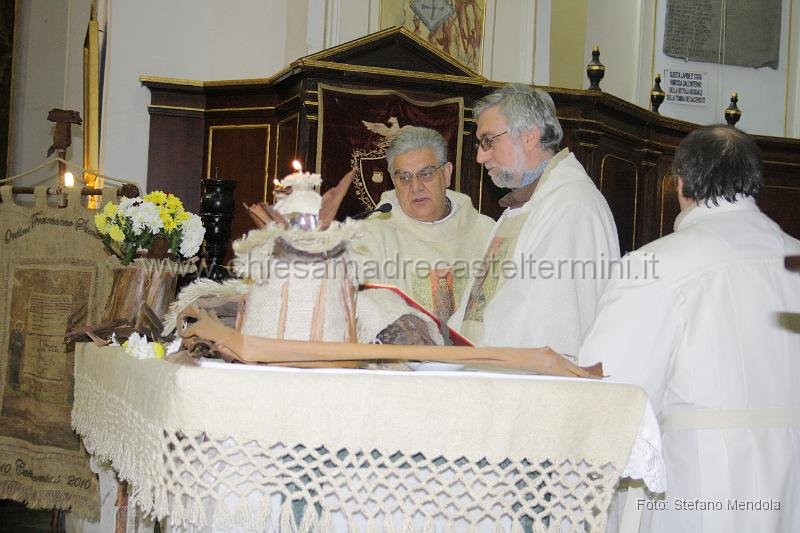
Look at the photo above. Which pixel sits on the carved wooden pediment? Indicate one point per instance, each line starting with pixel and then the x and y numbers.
pixel 391 49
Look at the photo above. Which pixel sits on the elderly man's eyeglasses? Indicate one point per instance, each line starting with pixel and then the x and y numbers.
pixel 486 142
pixel 425 174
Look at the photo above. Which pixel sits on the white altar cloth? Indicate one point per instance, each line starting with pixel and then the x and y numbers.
pixel 247 448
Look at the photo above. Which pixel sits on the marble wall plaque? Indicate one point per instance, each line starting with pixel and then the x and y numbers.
pixel 729 32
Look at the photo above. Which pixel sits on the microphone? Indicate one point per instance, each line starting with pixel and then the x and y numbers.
pixel 383 208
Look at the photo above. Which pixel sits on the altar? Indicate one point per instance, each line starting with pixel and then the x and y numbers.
pixel 256 448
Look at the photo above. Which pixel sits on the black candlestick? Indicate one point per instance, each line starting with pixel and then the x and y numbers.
pixel 217 213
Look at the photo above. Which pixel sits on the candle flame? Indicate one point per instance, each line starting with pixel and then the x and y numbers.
pixel 297 166
pixel 69 179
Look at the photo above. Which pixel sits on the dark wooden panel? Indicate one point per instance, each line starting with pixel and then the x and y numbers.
pixel 175 156
pixel 647 226
pixel 240 153
pixel 780 204
pixel 619 182
pixel 286 147
pixel 780 195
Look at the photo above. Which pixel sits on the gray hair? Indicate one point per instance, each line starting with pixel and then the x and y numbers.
pixel 525 107
pixel 416 138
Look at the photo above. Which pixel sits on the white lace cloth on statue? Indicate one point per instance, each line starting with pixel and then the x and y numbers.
pixel 274 449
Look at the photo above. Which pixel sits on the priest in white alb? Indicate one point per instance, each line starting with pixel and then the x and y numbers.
pixel 708 323
pixel 542 274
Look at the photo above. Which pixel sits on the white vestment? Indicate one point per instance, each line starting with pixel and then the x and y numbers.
pixel 544 261
pixel 428 261
pixel 714 339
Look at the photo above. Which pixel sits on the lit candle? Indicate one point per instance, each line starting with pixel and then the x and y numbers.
pixel 69 179
pixel 298 197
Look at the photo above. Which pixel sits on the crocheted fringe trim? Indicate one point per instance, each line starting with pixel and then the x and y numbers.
pixel 184 509
pixel 127 464
pixel 314 522
pixel 35 498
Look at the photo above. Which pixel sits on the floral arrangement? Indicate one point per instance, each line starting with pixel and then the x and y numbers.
pixel 139 347
pixel 157 220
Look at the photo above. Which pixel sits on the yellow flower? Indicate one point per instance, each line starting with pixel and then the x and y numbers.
pixel 156 197
pixel 158 349
pixel 173 203
pixel 110 209
pixel 116 234
pixel 183 216
pixel 167 220
pixel 100 222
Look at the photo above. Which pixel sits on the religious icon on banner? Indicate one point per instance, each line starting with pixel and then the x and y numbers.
pixel 432 13
pixel 441 281
pixel 453 26
pixel 37 397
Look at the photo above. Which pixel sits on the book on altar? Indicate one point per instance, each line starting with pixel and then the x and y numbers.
pixel 456 337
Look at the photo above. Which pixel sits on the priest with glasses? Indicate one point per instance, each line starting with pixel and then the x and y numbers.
pixel 426 243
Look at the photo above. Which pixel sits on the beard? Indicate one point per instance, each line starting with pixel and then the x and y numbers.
pixel 503 178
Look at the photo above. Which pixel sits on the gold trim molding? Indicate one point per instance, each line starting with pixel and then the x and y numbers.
pixel 176 108
pixel 199 83
pixel 204 110
pixel 234 109
pixel 452 78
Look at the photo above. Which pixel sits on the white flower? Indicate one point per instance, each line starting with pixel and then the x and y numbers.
pixel 174 346
pixel 144 216
pixel 193 234
pixel 138 346
pixel 126 204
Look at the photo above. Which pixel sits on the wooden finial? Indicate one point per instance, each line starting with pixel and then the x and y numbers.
pixel 732 112
pixel 62 136
pixel 595 70
pixel 656 95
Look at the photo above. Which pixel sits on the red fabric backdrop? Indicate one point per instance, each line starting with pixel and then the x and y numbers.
pixel 344 141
